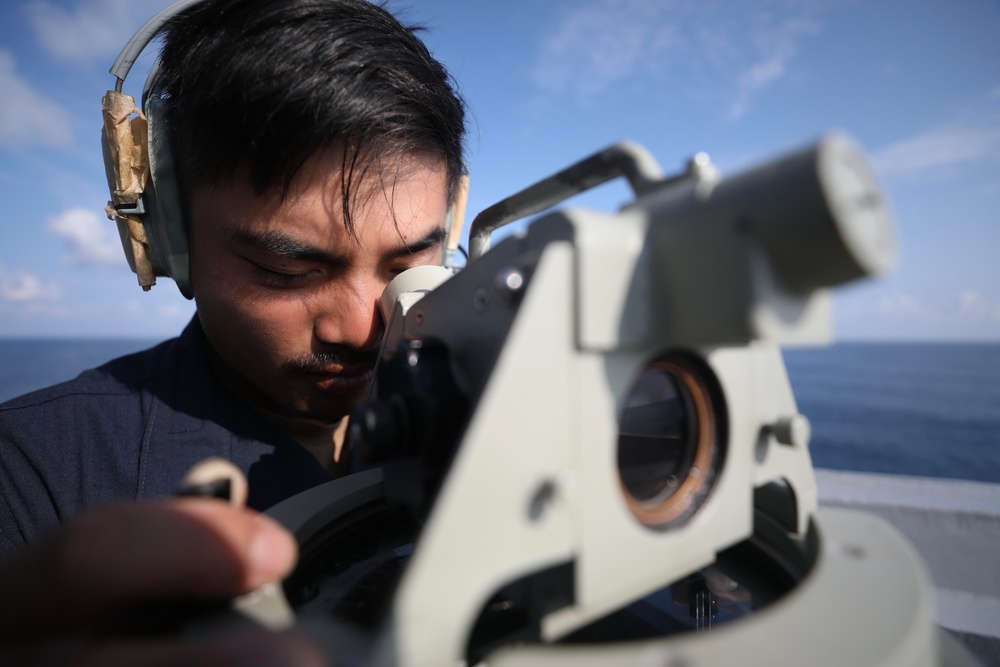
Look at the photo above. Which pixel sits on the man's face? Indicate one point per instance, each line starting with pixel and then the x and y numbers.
pixel 288 298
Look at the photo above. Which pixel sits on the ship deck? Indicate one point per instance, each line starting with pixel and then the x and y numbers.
pixel 955 526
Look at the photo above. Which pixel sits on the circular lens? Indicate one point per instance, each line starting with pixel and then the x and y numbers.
pixel 667 444
pixel 654 443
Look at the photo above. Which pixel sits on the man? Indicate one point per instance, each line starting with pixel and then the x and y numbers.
pixel 318 146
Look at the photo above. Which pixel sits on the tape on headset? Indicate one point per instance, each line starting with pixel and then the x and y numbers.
pixel 125 135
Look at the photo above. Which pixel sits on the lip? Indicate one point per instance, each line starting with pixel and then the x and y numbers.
pixel 348 380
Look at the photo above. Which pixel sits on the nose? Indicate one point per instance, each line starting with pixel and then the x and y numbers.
pixel 351 317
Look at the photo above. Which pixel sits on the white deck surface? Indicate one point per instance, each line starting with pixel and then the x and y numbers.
pixel 955 525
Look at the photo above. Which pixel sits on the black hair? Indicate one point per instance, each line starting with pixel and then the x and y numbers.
pixel 266 84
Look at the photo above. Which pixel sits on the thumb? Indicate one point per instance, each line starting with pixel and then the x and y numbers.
pixel 125 553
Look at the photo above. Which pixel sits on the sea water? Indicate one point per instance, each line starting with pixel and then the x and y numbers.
pixel 29 364
pixel 930 409
pixel 900 408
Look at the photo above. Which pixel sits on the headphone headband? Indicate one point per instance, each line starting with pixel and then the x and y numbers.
pixel 142 37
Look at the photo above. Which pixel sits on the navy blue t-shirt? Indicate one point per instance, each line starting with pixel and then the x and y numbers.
pixel 130 430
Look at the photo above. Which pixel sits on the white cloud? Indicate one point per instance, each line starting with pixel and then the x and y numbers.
pixel 975 305
pixel 941 147
pixel 25 288
pixel 599 43
pixel 776 47
pixel 971 314
pixel 91 238
pixel 900 304
pixel 967 306
pixel 92 30
pixel 735 49
pixel 26 116
pixel 971 301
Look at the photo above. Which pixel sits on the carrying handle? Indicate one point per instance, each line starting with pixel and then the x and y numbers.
pixel 626 159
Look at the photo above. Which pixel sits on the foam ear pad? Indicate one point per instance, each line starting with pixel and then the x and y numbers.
pixel 164 218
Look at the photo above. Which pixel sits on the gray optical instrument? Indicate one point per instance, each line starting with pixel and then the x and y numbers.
pixel 590 450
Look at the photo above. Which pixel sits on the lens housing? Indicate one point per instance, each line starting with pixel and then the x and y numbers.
pixel 669 448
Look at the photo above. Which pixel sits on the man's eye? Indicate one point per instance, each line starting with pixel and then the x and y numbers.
pixel 279 279
pixel 419 259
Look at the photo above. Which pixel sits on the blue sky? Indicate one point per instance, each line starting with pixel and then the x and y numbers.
pixel 916 83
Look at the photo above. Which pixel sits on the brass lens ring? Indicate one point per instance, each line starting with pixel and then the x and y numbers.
pixel 668 446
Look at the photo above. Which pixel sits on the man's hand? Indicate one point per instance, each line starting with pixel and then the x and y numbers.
pixel 55 595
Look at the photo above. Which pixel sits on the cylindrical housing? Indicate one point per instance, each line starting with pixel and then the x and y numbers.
pixel 819 214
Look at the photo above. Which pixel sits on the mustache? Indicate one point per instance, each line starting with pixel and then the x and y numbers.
pixel 339 355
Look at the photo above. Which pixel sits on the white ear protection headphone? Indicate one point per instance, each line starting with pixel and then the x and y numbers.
pixel 151 225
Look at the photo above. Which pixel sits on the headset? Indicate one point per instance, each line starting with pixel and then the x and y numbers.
pixel 145 199
pixel 142 176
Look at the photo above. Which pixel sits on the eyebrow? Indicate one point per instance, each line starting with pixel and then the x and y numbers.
pixel 281 245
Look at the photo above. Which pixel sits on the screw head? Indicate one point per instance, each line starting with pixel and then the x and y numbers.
pixel 481 299
pixel 794 430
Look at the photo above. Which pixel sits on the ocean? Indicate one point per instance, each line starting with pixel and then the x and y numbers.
pixel 928 409
pixel 27 364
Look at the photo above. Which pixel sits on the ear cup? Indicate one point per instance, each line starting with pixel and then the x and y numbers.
pixel 158 209
pixel 164 218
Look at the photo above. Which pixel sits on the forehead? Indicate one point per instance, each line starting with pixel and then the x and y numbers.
pixel 334 202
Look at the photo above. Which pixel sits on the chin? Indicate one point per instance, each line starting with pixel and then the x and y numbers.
pixel 326 409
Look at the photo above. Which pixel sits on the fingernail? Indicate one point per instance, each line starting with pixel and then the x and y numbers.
pixel 272 552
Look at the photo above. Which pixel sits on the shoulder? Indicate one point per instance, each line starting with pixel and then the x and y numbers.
pixel 79 443
pixel 123 377
pixel 103 411
pixel 96 417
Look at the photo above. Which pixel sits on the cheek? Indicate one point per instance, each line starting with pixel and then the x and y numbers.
pixel 232 310
pixel 268 326
pixel 282 326
pixel 251 330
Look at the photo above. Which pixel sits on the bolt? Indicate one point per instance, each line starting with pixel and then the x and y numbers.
pixel 542 497
pixel 794 430
pixel 853 551
pixel 480 299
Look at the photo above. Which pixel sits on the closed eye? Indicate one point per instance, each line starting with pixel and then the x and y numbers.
pixel 281 279
pixel 421 258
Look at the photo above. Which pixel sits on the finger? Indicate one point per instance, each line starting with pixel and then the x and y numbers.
pixel 124 553
pixel 263 648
